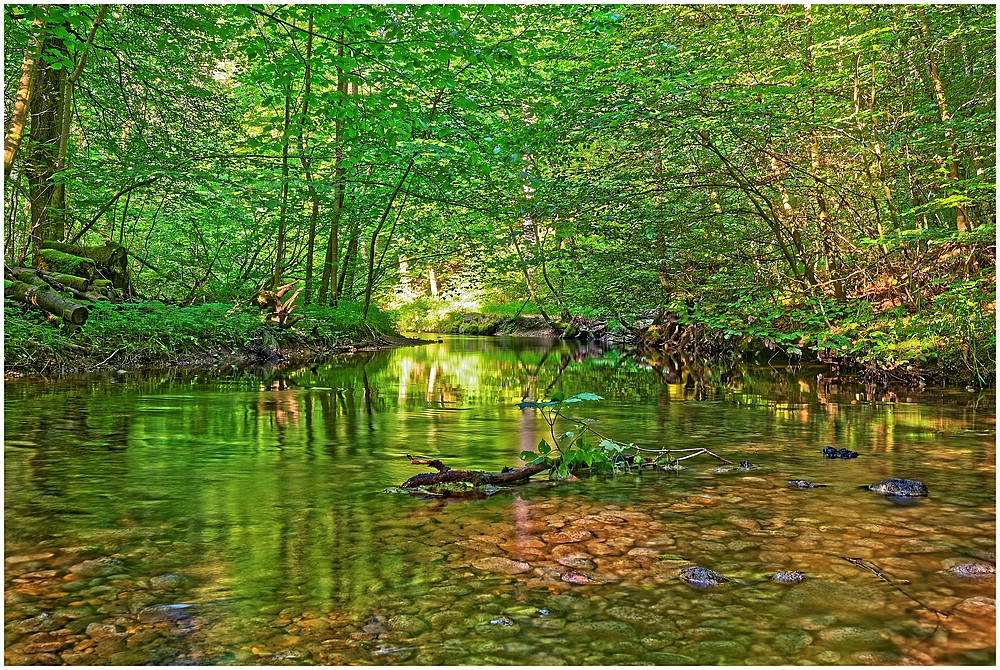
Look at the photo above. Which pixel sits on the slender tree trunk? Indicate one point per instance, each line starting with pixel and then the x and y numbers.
pixel 372 245
pixel 19 113
pixel 279 255
pixel 832 263
pixel 329 280
pixel 961 219
pixel 306 166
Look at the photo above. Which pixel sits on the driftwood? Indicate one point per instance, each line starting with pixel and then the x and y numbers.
pixel 446 475
pixel 281 310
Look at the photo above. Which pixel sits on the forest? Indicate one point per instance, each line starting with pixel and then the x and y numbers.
pixel 816 181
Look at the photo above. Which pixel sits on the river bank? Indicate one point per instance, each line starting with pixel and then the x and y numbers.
pixel 910 353
pixel 152 334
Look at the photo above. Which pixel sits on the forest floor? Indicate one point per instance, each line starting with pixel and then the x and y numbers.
pixel 152 334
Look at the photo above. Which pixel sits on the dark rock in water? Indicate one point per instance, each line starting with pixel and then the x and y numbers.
pixel 972 570
pixel 790 577
pixel 803 484
pixel 167 613
pixel 700 577
pixel 745 465
pixel 899 487
pixel 830 452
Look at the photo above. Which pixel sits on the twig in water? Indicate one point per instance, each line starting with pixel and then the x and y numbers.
pixel 108 358
pixel 864 566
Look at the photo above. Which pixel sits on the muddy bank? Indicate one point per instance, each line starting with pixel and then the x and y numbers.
pixel 267 353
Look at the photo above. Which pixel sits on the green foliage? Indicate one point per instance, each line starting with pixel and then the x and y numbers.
pixel 152 332
pixel 785 175
pixel 583 447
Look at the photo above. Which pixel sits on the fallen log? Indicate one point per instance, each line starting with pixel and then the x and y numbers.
pixel 56 282
pixel 48 300
pixel 446 475
pixel 110 258
pixel 70 281
pixel 55 261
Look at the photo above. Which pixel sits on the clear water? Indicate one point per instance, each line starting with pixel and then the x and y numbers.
pixel 240 518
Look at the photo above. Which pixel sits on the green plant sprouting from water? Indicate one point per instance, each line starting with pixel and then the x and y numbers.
pixel 586 447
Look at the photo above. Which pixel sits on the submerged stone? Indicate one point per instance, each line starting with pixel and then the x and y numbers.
pixel 899 487
pixel 166 582
pixel 500 565
pixel 574 577
pixel 972 570
pixel 97 567
pixel 700 577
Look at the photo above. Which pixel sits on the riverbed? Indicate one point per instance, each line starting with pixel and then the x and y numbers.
pixel 233 517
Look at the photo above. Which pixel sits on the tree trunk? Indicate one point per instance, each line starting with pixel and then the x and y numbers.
pixel 350 263
pixel 279 255
pixel 329 281
pixel 306 168
pixel 19 114
pixel 961 219
pixel 46 107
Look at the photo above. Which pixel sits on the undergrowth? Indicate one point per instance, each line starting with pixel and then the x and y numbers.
pixel 150 332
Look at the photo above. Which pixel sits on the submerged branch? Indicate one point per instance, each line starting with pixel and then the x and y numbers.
pixel 446 475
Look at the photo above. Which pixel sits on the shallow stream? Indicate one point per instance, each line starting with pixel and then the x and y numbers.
pixel 241 518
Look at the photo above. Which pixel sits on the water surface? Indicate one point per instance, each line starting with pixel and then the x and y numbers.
pixel 241 518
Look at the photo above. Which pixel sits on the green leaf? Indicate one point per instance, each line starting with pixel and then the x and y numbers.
pixel 528 455
pixel 543 447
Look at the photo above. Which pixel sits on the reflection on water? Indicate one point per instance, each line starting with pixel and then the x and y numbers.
pixel 240 518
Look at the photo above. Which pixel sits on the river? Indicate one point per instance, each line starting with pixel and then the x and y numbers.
pixel 248 517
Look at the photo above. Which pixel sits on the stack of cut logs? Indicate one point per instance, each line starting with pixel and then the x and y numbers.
pixel 67 273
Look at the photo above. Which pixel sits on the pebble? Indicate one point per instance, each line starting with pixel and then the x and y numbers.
pixel 567 535
pixel 166 582
pixel 972 570
pixel 979 605
pixel 102 630
pixel 500 565
pixel 96 567
pixel 574 577
pixel 408 623
pixel 756 482
pixel 25 558
pixel 42 622
pixel 792 642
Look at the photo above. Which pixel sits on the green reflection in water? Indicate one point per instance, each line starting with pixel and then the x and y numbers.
pixel 264 492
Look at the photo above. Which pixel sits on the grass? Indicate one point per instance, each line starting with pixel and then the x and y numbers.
pixel 144 332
